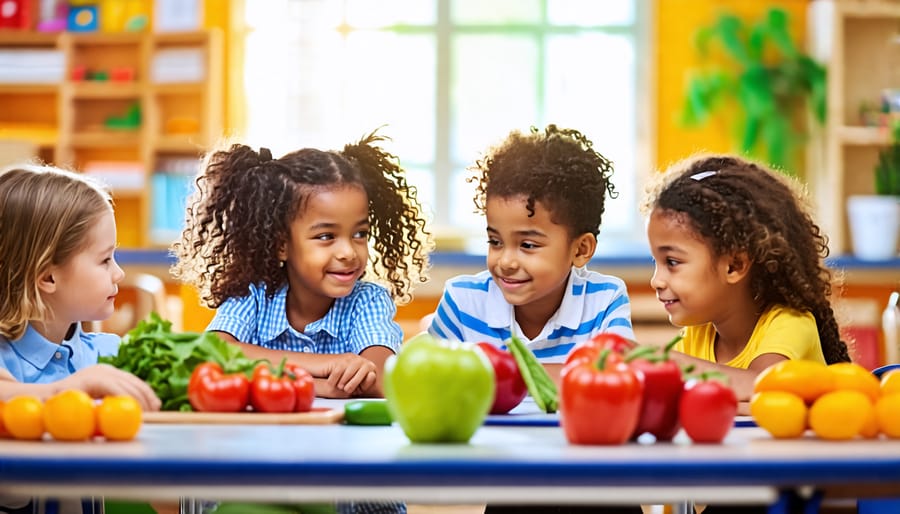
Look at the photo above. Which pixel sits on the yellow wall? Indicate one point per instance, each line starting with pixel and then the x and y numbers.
pixel 677 21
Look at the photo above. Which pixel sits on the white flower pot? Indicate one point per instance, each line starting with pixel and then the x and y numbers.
pixel 874 226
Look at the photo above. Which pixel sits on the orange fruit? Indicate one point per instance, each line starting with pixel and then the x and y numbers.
pixel 890 382
pixel 840 415
pixel 849 375
pixel 23 417
pixel 806 379
pixel 3 431
pixel 887 410
pixel 870 429
pixel 780 413
pixel 69 416
pixel 119 418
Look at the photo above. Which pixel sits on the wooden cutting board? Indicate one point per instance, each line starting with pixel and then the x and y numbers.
pixel 317 416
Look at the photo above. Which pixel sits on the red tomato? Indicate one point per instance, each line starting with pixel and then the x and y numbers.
pixel 707 409
pixel 289 388
pixel 304 387
pixel 209 390
pixel 270 393
pixel 510 389
pixel 663 386
pixel 600 401
pixel 590 349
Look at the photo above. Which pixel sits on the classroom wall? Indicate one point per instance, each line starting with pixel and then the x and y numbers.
pixel 673 30
pixel 676 22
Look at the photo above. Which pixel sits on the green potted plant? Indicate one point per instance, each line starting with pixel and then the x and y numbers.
pixel 875 219
pixel 764 80
pixel 887 171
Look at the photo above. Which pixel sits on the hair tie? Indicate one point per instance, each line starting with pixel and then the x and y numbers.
pixel 265 154
pixel 702 175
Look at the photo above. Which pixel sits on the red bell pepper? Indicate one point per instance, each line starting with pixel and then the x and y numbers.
pixel 211 390
pixel 587 351
pixel 663 384
pixel 600 400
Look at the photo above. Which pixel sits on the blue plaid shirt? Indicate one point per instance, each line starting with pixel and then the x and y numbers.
pixel 355 322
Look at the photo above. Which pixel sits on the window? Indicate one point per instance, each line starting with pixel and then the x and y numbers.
pixel 448 79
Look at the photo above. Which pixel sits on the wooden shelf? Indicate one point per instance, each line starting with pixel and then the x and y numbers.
pixel 105 90
pixel 180 144
pixel 871 9
pixel 855 41
pixel 67 120
pixel 26 38
pixel 105 139
pixel 7 88
pixel 178 88
pixel 863 136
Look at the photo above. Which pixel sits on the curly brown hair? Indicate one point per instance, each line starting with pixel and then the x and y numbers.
pixel 244 203
pixel 557 167
pixel 742 207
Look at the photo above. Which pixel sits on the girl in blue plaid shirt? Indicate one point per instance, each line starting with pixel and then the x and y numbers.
pixel 279 246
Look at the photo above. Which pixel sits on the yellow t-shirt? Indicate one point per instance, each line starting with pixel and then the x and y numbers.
pixel 780 330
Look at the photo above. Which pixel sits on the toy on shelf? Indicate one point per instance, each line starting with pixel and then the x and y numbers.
pixel 83 18
pixel 122 74
pixel 124 15
pixel 16 14
pixel 131 120
pixel 53 15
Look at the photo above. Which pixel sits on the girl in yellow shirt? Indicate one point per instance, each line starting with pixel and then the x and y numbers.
pixel 740 265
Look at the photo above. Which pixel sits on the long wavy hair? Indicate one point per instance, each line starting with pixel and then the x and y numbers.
pixel 241 211
pixel 740 206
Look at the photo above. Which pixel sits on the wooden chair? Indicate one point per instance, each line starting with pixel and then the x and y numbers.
pixel 141 294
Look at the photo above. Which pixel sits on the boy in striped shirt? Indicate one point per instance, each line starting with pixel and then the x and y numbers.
pixel 542 194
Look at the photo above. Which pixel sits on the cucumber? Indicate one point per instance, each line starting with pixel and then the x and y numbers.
pixel 367 412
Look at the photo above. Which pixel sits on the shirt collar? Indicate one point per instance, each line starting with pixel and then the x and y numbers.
pixel 37 350
pixel 276 310
pixel 567 315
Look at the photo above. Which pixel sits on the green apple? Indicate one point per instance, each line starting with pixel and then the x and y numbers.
pixel 438 391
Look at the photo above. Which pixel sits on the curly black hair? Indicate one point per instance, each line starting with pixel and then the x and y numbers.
pixel 743 207
pixel 557 167
pixel 244 203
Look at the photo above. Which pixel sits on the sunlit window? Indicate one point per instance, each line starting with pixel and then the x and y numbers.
pixel 446 79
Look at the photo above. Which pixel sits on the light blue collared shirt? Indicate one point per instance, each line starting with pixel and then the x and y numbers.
pixel 33 359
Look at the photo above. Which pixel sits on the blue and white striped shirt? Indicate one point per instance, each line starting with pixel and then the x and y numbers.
pixel 355 322
pixel 473 309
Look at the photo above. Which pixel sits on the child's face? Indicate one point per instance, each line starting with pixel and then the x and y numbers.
pixel 688 279
pixel 328 247
pixel 528 257
pixel 86 285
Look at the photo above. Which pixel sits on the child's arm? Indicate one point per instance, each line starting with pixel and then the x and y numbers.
pixel 339 375
pixel 740 380
pixel 97 381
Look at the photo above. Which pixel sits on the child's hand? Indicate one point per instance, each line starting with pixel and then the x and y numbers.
pixel 346 375
pixel 102 380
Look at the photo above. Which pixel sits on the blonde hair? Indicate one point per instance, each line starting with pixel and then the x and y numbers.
pixel 45 215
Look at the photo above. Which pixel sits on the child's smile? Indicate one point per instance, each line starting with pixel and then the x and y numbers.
pixel 529 256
